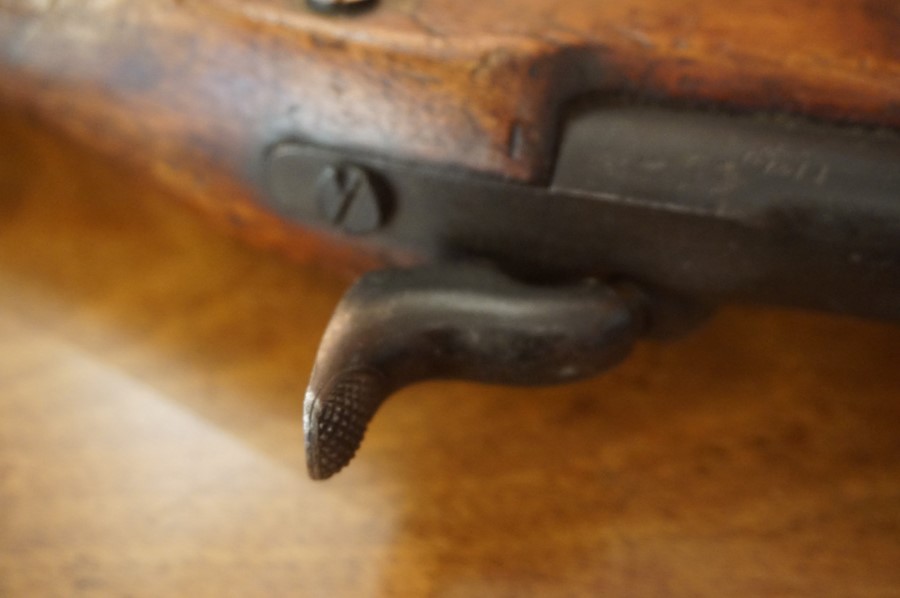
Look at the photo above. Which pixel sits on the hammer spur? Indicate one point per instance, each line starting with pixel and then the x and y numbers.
pixel 470 322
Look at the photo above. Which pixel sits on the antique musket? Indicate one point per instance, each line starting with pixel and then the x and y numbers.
pixel 533 184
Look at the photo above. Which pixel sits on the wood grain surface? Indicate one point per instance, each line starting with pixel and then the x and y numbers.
pixel 194 92
pixel 151 374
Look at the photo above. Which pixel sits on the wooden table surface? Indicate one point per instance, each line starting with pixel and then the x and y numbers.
pixel 151 375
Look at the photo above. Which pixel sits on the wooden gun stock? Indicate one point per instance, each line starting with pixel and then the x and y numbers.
pixel 194 92
pixel 700 152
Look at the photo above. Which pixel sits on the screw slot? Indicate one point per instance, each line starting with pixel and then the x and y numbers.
pixel 341 6
pixel 347 198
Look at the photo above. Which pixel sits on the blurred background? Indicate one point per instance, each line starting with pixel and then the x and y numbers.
pixel 151 379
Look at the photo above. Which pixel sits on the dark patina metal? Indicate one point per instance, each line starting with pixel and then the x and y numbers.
pixel 397 327
pixel 346 195
pixel 716 208
pixel 340 6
